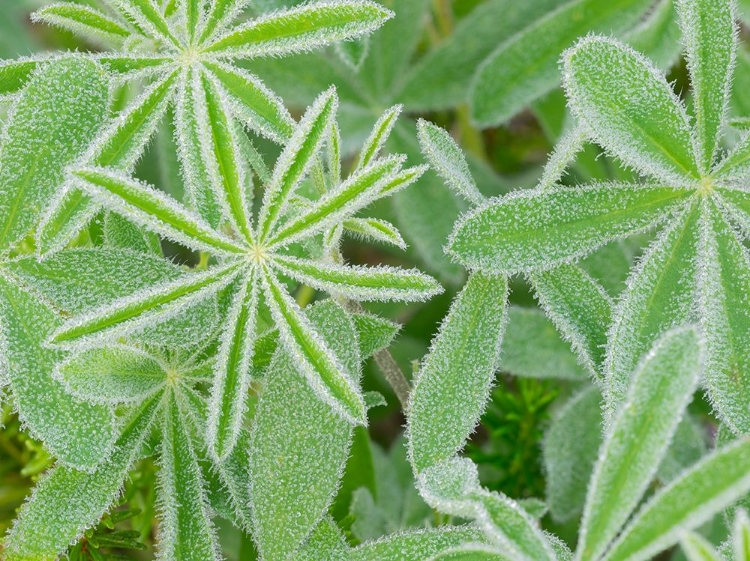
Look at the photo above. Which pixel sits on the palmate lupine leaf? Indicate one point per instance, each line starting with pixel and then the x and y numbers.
pixel 638 437
pixel 381 130
pixel 40 532
pixel 78 434
pixel 660 297
pixel 456 376
pixel 453 487
pixel 417 544
pixel 185 530
pixel 705 22
pixel 532 229
pixel 296 461
pixel 649 129
pixel 525 67
pixel 60 109
pixel 120 233
pixel 724 286
pixel 695 497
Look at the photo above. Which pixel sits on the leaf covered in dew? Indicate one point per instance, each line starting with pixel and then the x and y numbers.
pixel 186 530
pixel 296 461
pixel 51 123
pixel 359 282
pixel 455 378
pixel 697 548
pixel 446 158
pixel 84 20
pixel 416 544
pixel 452 487
pixel 705 22
pixel 302 29
pixel 471 552
pixel 638 437
pixel 532 230
pixel 648 128
pixel 660 297
pixel 692 499
pixel 79 434
pixel 375 230
pixel 116 374
pixel 580 309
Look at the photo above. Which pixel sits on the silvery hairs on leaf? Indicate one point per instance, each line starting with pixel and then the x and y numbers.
pixel 199 47
pixel 251 257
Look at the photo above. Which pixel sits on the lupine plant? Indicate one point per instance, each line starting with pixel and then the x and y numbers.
pixel 214 346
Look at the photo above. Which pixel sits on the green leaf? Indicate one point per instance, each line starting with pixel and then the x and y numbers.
pixel 658 36
pixel 326 541
pixel 581 310
pixel 569 449
pixel 709 35
pixel 378 137
pixel 375 230
pixel 724 285
pixel 416 545
pixel 634 113
pixel 692 499
pixel 360 282
pixel 638 437
pixel 525 66
pixel 471 552
pixel 660 297
pixel 186 531
pixel 696 548
pixel 14 74
pixel 60 109
pixel 81 279
pixel 532 348
pixel 120 233
pixel 152 209
pixel 375 181
pixel 452 487
pixel 220 14
pixel 39 532
pixel 117 374
pixel 222 153
pixel 234 473
pixel 83 20
pixel 535 229
pixel 190 135
pixel 374 333
pixel 448 160
pixel 149 19
pixel 260 108
pixel 135 312
pixel 301 29
pixel 310 446
pixel 456 376
pixel 331 381
pixel 80 435
pixel 741 536
pixel 232 374
pixel 296 159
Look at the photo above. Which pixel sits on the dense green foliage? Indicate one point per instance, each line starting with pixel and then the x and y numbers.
pixel 288 280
